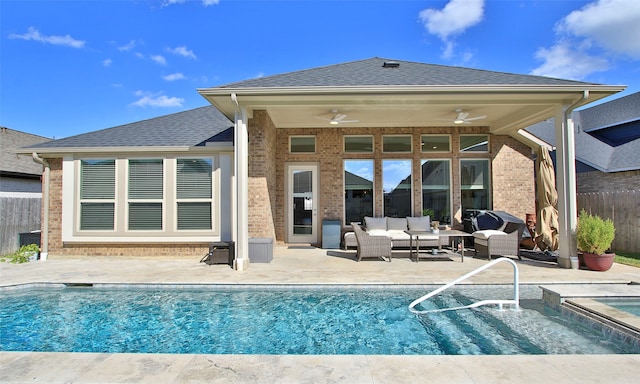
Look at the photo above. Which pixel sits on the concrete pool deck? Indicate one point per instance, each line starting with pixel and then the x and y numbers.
pixel 307 265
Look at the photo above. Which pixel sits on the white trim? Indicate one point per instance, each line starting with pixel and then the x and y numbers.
pixel 410 136
pixel 314 167
pixel 315 144
pixel 344 144
pixel 460 136
pixel 435 134
pixel 450 161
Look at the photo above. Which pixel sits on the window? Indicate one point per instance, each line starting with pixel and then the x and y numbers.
pixel 146 193
pixel 396 143
pixel 302 144
pixel 194 193
pixel 396 179
pixel 474 143
pixel 474 184
pixel 358 190
pixel 97 194
pixel 436 190
pixel 358 144
pixel 436 143
pixel 141 198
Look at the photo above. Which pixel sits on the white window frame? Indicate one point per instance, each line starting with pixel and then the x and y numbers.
pixel 344 143
pixel 476 134
pixel 162 201
pixel 210 200
pixel 315 144
pixel 71 232
pixel 489 181
pixel 422 207
pixel 422 149
pixel 399 135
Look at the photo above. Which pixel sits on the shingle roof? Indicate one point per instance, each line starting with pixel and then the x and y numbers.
pixel 614 112
pixel 371 72
pixel 188 128
pixel 11 140
pixel 589 149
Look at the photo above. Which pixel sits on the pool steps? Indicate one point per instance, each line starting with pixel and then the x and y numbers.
pixel 516 296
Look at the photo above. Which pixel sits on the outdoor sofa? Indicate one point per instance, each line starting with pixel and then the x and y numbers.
pixel 394 227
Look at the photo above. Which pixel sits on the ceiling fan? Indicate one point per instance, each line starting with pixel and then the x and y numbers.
pixel 463 118
pixel 336 118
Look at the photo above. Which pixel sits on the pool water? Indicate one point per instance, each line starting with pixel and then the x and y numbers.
pixel 305 321
pixel 631 306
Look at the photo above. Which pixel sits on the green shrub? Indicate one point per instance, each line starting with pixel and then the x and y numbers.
pixel 594 235
pixel 22 255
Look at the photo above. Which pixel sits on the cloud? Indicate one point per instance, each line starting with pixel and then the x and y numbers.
pixel 610 24
pixel 149 99
pixel 455 18
pixel 35 35
pixel 107 62
pixel 589 39
pixel 182 51
pixel 174 77
pixel 206 3
pixel 127 47
pixel 159 59
pixel 566 62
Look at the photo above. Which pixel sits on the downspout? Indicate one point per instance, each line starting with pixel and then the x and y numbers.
pixel 44 251
pixel 568 219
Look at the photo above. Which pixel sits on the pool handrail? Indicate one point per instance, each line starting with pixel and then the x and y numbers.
pixel 516 295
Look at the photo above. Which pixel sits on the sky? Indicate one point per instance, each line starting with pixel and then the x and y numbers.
pixel 70 67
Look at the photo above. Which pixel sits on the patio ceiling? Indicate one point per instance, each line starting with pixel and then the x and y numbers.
pixel 507 108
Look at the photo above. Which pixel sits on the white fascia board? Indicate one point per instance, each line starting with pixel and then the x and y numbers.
pixel 137 149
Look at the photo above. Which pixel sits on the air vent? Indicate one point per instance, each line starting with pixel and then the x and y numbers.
pixel 390 64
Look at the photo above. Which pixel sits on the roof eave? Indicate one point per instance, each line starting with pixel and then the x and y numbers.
pixel 137 149
pixel 220 97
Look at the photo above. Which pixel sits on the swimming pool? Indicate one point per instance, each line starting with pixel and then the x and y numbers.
pixel 631 306
pixel 285 320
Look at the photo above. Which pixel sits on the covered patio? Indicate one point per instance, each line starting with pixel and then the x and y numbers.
pixel 379 97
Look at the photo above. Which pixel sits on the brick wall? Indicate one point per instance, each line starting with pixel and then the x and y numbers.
pixel 512 170
pixel 512 176
pixel 262 175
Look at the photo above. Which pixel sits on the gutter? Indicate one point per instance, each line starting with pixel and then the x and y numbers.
pixel 44 249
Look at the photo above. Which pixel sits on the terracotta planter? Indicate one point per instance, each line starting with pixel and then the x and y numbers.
pixel 598 262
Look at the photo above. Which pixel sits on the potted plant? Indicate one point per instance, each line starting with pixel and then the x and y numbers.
pixel 594 236
pixel 24 254
pixel 435 226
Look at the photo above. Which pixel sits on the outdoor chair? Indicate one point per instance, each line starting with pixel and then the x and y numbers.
pixel 491 242
pixel 371 246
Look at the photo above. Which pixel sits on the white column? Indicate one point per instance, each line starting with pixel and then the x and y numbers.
pixel 566 183
pixel 241 201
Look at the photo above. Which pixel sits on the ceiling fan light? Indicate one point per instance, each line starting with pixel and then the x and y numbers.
pixel 458 121
pixel 334 122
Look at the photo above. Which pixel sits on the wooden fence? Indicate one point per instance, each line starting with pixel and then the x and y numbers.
pixel 17 215
pixel 623 207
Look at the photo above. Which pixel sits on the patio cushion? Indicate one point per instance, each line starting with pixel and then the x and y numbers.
pixel 372 223
pixel 395 223
pixel 378 232
pixel 487 233
pixel 422 223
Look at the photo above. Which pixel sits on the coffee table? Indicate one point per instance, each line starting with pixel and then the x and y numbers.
pixel 451 233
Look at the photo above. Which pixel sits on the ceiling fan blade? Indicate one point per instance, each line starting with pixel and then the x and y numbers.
pixel 339 117
pixel 462 116
pixel 476 118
